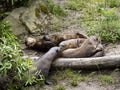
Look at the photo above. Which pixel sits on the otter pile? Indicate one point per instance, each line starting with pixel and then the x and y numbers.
pixel 74 45
pixel 63 45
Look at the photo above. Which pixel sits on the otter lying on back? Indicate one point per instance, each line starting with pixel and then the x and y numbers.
pixel 56 39
pixel 38 44
pixel 86 50
pixel 72 43
pixel 46 42
pixel 77 48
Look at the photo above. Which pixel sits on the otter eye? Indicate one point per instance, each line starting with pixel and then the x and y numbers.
pixel 57 50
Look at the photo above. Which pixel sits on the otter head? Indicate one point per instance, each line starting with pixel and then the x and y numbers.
pixel 95 41
pixel 30 42
pixel 56 49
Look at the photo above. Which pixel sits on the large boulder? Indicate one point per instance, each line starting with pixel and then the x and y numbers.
pixel 16 26
pixel 32 19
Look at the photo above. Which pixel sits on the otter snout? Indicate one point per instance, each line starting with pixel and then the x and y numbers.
pixel 30 41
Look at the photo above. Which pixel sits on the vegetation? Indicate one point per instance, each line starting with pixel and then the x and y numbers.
pixel 60 87
pixel 99 17
pixel 56 10
pixel 75 4
pixel 72 76
pixel 106 79
pixel 11 63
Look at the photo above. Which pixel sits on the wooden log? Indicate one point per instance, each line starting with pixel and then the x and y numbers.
pixel 86 63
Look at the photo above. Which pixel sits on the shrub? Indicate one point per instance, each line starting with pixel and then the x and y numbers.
pixel 11 63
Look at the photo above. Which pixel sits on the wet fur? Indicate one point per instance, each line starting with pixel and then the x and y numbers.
pixel 43 65
pixel 82 47
pixel 72 43
pixel 47 41
pixel 38 44
pixel 56 39
pixel 85 50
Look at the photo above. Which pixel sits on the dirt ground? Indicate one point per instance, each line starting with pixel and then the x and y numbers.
pixel 93 84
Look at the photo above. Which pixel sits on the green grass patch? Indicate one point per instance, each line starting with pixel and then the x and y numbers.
pixel 56 10
pixel 106 79
pixel 101 19
pixel 113 3
pixel 60 87
pixel 74 4
pixel 72 76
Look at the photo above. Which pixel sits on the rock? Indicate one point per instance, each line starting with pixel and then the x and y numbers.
pixel 16 26
pixel 32 19
pixel 34 16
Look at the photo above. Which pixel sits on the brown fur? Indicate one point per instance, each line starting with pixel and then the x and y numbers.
pixel 56 39
pixel 100 53
pixel 95 40
pixel 45 43
pixel 38 44
pixel 90 47
pixel 43 65
pixel 72 43
pixel 86 50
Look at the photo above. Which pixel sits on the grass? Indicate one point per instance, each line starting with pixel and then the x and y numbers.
pixel 99 17
pixel 56 10
pixel 113 3
pixel 60 87
pixel 106 79
pixel 75 4
pixel 72 76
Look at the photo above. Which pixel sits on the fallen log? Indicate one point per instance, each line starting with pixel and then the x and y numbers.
pixel 86 63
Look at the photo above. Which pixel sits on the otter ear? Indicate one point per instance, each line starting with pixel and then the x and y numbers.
pixel 80 35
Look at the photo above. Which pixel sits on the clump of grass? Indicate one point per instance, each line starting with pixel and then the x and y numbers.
pixel 74 82
pixel 73 77
pixel 113 3
pixel 100 19
pixel 106 79
pixel 108 27
pixel 75 4
pixel 56 10
pixel 60 87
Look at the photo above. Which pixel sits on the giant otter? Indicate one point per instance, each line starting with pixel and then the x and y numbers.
pixel 43 65
pixel 72 43
pixel 38 44
pixel 99 53
pixel 93 41
pixel 47 41
pixel 57 38
pixel 96 41
pixel 85 50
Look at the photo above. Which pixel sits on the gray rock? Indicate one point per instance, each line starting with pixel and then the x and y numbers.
pixel 31 19
pixel 16 26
